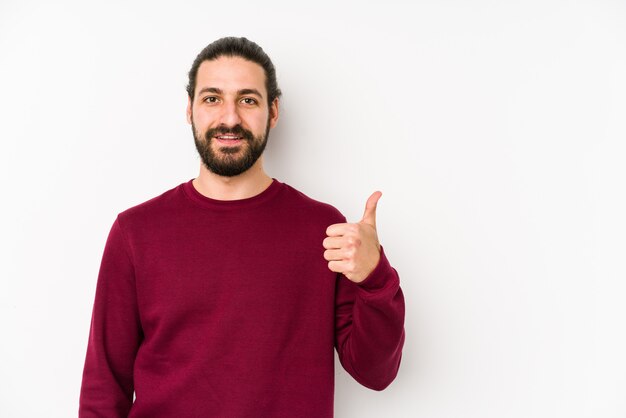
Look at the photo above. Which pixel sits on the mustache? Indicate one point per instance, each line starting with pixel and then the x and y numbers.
pixel 223 130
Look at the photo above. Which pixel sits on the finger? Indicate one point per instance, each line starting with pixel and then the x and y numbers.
pixel 333 255
pixel 369 216
pixel 338 266
pixel 331 243
pixel 337 230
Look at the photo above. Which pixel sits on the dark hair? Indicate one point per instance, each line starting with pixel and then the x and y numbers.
pixel 239 47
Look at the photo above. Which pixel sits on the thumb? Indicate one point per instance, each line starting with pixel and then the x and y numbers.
pixel 369 216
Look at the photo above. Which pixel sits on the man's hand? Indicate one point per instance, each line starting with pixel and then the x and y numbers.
pixel 353 249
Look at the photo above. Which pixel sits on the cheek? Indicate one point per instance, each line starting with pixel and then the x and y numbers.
pixel 258 123
pixel 199 118
pixel 203 113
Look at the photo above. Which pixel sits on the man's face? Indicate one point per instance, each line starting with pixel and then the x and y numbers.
pixel 229 115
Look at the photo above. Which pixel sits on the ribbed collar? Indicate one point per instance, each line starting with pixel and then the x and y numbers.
pixel 209 203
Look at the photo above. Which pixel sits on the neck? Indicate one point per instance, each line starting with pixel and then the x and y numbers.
pixel 247 184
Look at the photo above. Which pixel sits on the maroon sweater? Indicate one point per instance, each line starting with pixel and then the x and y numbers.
pixel 212 308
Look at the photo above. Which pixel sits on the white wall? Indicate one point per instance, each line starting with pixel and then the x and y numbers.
pixel 494 129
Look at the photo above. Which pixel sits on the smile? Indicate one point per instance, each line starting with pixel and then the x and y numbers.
pixel 228 139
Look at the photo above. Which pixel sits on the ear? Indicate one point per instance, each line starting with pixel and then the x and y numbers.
pixel 188 110
pixel 274 113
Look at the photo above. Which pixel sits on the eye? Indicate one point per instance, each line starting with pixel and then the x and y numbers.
pixel 210 99
pixel 249 100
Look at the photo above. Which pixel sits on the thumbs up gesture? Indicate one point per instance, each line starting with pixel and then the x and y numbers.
pixel 353 248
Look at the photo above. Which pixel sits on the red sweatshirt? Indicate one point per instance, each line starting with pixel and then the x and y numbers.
pixel 212 308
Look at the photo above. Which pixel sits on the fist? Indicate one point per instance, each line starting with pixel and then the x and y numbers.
pixel 353 248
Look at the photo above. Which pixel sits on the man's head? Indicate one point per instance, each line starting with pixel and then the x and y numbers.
pixel 236 47
pixel 233 103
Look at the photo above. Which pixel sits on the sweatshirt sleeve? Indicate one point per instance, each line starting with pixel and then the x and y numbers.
pixel 114 336
pixel 369 325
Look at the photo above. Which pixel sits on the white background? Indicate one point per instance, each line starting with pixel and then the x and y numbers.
pixel 494 129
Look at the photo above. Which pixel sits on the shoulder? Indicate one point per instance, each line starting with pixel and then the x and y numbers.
pixel 154 209
pixel 313 207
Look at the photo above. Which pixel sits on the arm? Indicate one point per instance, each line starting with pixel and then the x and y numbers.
pixel 114 336
pixel 369 325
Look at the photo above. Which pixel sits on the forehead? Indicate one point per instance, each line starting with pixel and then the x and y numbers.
pixel 231 74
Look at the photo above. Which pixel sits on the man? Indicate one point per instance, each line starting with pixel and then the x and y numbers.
pixel 217 298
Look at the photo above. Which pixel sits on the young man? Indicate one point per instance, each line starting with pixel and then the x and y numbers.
pixel 226 295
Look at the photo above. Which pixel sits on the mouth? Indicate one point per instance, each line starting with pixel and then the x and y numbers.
pixel 228 139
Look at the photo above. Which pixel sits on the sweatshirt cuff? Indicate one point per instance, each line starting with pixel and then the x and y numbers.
pixel 383 275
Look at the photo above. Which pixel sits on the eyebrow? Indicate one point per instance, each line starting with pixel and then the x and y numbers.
pixel 239 92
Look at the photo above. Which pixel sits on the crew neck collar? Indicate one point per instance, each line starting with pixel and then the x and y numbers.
pixel 211 203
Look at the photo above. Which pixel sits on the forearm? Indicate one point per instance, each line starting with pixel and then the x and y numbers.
pixel 370 326
pixel 114 336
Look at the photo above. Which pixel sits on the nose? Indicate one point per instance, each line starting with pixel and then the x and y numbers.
pixel 230 114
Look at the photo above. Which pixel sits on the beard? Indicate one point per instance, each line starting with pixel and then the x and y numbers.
pixel 230 161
